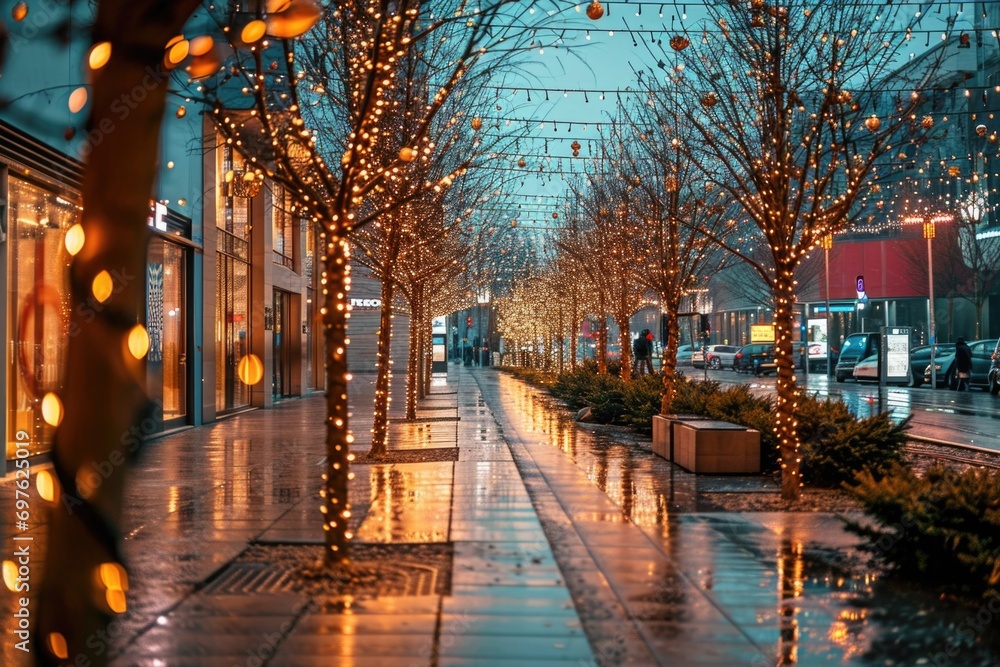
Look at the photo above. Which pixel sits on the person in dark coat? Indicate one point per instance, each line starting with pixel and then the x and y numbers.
pixel 963 364
pixel 642 352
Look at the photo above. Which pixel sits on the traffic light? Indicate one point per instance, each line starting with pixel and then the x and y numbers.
pixel 468 321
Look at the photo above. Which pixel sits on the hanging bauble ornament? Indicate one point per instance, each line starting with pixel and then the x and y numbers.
pixel 981 130
pixel 595 10
pixel 873 123
pixel 20 11
pixel 522 163
pixel 927 122
pixel 476 123
pixel 555 216
pixel 181 111
pixel 992 138
pixel 679 42
pixel 709 100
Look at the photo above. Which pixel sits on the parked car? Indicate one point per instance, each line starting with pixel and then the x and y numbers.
pixel 994 374
pixel 866 370
pixel 856 347
pixel 749 357
pixel 758 358
pixel 817 355
pixel 920 357
pixel 684 353
pixel 982 361
pixel 718 356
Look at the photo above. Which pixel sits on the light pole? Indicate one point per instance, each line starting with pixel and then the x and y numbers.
pixel 929 233
pixel 826 243
pixel 929 222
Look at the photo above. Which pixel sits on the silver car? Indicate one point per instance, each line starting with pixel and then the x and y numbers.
pixel 718 356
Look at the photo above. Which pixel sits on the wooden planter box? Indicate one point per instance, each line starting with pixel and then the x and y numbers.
pixel 665 433
pixel 716 447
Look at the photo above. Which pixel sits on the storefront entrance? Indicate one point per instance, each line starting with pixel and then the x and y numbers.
pixel 281 340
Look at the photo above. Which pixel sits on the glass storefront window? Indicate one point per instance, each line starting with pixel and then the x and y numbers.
pixel 38 308
pixel 283 227
pixel 232 303
pixel 166 321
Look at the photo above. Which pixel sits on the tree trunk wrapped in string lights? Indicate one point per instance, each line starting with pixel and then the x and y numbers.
pixel 103 402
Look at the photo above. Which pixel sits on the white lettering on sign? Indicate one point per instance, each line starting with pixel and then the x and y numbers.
pixel 366 303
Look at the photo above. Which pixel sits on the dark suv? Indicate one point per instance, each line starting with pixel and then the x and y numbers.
pixel 750 357
pixel 856 347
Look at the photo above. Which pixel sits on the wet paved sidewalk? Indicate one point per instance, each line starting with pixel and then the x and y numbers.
pixel 529 498
pixel 199 498
pixel 658 582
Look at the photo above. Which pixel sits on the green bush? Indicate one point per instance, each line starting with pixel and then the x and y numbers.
pixel 943 528
pixel 580 387
pixel 532 375
pixel 642 398
pixel 836 444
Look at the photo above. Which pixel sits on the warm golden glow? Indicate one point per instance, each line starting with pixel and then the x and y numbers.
pixel 20 11
pixel 406 154
pixel 294 18
pixel 177 51
pixel 46 485
pixel 253 31
pixel 10 575
pixel 100 54
pixel 57 645
pixel 102 287
pixel 78 100
pixel 52 409
pixel 116 600
pixel 74 239
pixel 114 576
pixel 181 111
pixel 138 341
pixel 250 369
pixel 201 45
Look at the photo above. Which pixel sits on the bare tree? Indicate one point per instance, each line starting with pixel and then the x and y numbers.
pixel 332 94
pixel 767 90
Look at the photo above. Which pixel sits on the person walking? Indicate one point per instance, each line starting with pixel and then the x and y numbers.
pixel 642 353
pixel 963 364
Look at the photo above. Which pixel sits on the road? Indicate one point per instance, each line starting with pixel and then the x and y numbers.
pixel 966 419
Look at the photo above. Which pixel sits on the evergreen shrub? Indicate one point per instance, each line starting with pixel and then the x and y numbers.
pixel 836 445
pixel 942 528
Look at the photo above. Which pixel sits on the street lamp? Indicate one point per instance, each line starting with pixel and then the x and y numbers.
pixel 929 223
pixel 826 243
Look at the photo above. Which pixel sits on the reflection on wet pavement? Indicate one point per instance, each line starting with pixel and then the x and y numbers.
pixel 653 579
pixel 714 588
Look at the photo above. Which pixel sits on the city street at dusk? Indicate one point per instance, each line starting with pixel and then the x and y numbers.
pixel 494 333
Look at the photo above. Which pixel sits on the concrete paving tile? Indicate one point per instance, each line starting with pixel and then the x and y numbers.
pixel 519 662
pixel 366 624
pixel 410 605
pixel 485 534
pixel 359 645
pixel 298 660
pixel 532 648
pixel 510 626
